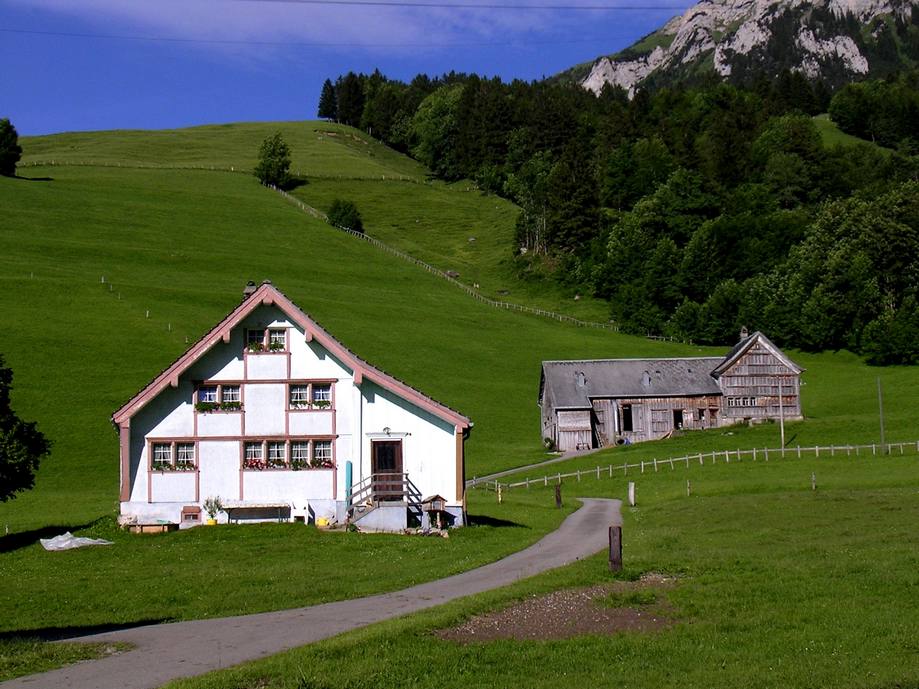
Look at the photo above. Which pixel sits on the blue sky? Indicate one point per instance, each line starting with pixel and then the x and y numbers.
pixel 82 64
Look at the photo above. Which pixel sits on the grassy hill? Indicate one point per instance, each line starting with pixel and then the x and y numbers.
pixel 400 204
pixel 175 247
pixel 834 136
pixel 179 245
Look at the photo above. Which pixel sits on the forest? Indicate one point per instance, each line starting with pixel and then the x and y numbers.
pixel 692 210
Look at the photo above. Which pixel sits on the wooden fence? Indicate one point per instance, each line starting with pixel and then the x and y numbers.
pixel 701 458
pixel 472 292
pixel 551 315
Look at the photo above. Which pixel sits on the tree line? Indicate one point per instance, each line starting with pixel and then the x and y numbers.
pixel 692 210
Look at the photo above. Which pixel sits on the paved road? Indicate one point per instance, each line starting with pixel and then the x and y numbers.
pixel 182 649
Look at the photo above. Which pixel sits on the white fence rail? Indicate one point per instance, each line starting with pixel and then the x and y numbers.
pixel 703 458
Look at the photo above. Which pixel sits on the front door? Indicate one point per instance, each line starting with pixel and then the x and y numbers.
pixel 387 470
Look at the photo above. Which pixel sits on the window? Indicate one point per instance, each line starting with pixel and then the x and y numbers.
pixel 185 454
pixel 299 396
pixel 255 340
pixel 172 456
pixel 277 454
pixel 277 340
pixel 218 398
pixel 322 453
pixel 162 452
pixel 299 454
pixel 322 395
pixel 253 457
pixel 627 418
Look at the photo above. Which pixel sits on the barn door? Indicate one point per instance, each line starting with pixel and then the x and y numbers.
pixel 604 428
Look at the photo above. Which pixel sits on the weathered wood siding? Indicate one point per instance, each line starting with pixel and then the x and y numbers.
pixel 654 417
pixel 574 430
pixel 751 387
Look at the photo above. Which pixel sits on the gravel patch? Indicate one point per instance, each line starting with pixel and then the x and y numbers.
pixel 571 612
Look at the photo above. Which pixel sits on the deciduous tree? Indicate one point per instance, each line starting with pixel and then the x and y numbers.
pixel 22 445
pixel 273 167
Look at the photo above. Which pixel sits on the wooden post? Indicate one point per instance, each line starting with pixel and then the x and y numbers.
pixel 799 452
pixel 881 409
pixel 499 493
pixel 558 496
pixel 528 483
pixel 642 466
pixel 655 465
pixel 615 548
pixel 766 452
pixel 688 489
pixel 579 475
pixel 782 414
pixel 754 454
pixel 813 480
pixel 632 493
pixel 598 472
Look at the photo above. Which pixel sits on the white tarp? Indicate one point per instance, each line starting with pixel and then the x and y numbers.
pixel 68 541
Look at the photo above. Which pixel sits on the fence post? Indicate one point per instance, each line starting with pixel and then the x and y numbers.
pixel 655 465
pixel 816 451
pixel 579 475
pixel 688 488
pixel 799 452
pixel 754 454
pixel 598 472
pixel 766 452
pixel 632 493
pixel 558 496
pixel 813 480
pixel 642 466
pixel 615 548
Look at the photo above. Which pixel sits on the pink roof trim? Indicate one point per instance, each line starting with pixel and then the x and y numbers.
pixel 268 294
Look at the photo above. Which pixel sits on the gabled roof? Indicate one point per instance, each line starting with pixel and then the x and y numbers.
pixel 744 346
pixel 269 295
pixel 575 383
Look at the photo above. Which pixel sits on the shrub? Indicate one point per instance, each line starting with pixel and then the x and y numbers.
pixel 345 214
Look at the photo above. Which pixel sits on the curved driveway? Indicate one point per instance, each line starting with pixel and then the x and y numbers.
pixel 182 649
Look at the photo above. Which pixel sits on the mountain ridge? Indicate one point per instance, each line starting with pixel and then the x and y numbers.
pixel 835 41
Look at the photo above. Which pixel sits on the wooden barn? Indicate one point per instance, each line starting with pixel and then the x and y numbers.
pixel 595 403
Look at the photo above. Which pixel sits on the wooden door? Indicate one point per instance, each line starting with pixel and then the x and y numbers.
pixel 387 470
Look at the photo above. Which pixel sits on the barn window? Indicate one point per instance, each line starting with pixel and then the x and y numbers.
pixel 322 393
pixel 208 393
pixel 299 396
pixel 626 417
pixel 277 340
pixel 185 455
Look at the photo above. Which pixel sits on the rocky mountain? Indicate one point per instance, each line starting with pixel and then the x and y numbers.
pixel 833 40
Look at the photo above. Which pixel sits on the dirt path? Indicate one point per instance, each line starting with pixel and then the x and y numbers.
pixel 184 649
pixel 527 467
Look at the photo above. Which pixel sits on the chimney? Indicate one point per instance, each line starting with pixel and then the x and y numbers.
pixel 744 333
pixel 249 289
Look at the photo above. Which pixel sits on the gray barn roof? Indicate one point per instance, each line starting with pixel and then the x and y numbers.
pixel 573 383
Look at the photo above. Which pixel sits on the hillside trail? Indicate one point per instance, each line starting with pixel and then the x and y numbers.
pixel 184 649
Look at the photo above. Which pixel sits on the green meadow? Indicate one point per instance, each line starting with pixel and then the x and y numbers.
pixel 108 273
pixel 776 586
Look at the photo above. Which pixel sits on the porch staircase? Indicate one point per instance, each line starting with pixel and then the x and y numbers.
pixel 385 502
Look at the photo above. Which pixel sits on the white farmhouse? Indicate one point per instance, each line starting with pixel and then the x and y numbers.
pixel 276 417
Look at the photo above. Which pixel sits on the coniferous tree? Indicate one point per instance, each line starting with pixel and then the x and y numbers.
pixel 350 93
pixel 10 150
pixel 328 103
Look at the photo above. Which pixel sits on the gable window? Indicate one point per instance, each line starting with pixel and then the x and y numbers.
pixel 218 398
pixel 255 340
pixel 277 340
